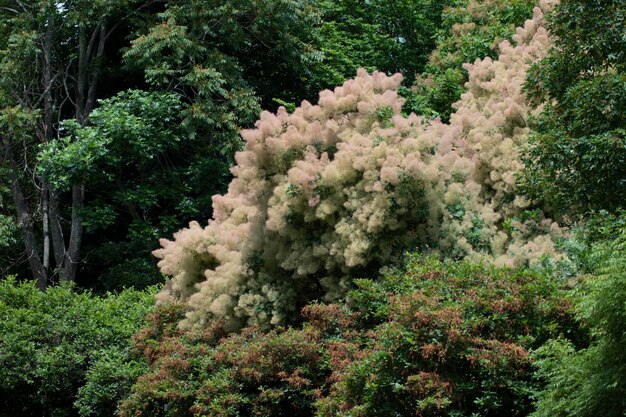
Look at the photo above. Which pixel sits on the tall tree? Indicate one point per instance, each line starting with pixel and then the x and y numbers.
pixel 385 35
pixel 153 159
pixel 225 57
pixel 146 173
pixel 53 56
pixel 577 161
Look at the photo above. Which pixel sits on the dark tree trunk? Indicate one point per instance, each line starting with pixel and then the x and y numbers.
pixel 47 136
pixel 58 241
pixel 25 221
pixel 70 260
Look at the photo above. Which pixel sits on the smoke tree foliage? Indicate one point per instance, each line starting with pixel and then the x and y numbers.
pixel 334 190
pixel 469 29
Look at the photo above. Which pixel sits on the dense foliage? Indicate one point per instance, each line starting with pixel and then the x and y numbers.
pixel 52 342
pixel 122 120
pixel 386 35
pixel 437 339
pixel 591 381
pixel 146 172
pixel 577 159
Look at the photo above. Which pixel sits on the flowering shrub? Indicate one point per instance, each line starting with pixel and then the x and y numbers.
pixel 334 190
pixel 438 339
pixel 470 30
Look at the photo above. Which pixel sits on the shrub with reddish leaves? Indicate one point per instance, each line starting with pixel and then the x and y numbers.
pixel 437 339
pixel 447 339
pixel 251 373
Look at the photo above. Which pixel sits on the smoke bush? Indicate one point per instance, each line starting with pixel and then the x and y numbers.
pixel 336 189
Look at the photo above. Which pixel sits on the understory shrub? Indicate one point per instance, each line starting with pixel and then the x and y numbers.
pixel 589 243
pixel 339 189
pixel 590 381
pixel 50 343
pixel 435 339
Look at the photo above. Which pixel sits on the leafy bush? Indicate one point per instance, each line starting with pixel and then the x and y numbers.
pixel 589 243
pixel 339 189
pixel 591 381
pixel 50 341
pixel 251 373
pixel 447 339
pixel 437 339
pixel 108 380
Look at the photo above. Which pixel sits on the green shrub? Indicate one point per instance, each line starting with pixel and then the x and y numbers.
pixel 591 381
pixel 588 245
pixel 50 341
pixel 447 339
pixel 251 373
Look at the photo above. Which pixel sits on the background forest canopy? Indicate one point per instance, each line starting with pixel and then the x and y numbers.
pixel 437 229
pixel 120 119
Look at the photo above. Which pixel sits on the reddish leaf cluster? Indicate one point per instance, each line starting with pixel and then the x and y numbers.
pixel 439 339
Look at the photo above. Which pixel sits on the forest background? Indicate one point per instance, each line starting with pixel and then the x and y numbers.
pixel 120 120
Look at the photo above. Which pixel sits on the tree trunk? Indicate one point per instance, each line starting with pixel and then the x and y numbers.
pixel 81 80
pixel 58 241
pixel 85 101
pixel 45 210
pixel 48 129
pixel 70 261
pixel 25 222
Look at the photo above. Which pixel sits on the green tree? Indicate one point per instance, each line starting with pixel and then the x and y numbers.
pixel 386 35
pixel 53 58
pixel 223 58
pixel 9 232
pixel 146 173
pixel 577 158
pixel 220 60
